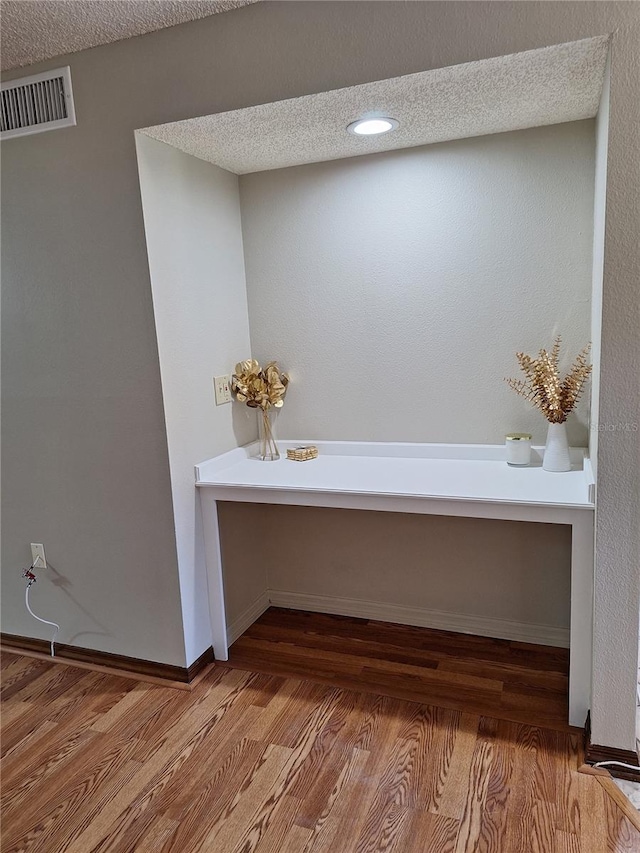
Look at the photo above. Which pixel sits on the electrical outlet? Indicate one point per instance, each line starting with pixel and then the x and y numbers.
pixel 222 384
pixel 38 558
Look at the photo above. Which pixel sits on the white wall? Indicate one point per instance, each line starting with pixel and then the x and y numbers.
pixel 599 215
pixel 615 431
pixel 397 288
pixel 194 241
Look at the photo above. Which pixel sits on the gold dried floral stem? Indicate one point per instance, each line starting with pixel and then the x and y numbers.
pixel 542 385
pixel 259 387
pixel 262 388
pixel 268 446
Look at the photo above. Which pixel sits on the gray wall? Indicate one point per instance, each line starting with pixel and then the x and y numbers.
pixel 396 289
pixel 85 453
pixel 194 241
pixel 504 575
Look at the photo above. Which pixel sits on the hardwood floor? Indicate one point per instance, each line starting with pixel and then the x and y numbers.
pixel 497 678
pixel 256 762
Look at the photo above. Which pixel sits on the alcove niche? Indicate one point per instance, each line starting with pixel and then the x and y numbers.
pixel 394 277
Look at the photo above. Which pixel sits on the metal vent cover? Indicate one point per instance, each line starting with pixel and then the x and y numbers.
pixel 37 103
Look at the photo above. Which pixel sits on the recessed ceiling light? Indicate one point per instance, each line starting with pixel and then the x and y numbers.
pixel 372 126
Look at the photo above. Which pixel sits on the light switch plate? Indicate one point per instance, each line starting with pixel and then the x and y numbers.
pixel 222 385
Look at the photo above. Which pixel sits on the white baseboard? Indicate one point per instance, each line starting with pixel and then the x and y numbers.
pixel 247 618
pixel 483 626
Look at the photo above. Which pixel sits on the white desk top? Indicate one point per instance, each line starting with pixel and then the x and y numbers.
pixel 476 473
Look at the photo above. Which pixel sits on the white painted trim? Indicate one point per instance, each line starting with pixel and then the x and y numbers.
pixel 525 632
pixel 248 617
pixel 379 449
pixel 387 474
pixel 215 584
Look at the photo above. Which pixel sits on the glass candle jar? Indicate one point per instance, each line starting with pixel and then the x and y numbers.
pixel 518 448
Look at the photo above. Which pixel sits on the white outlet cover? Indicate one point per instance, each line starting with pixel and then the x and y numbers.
pixel 37 551
pixel 222 385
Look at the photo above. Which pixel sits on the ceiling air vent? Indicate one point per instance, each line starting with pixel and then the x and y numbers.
pixel 37 103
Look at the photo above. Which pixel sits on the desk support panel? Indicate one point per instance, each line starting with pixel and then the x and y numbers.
pixel 215 581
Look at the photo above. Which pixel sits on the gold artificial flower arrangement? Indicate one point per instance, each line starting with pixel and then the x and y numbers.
pixel 544 389
pixel 261 388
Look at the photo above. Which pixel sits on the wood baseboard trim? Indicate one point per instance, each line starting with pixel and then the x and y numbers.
pixel 481 626
pixel 92 667
pixel 594 754
pixel 194 669
pixel 107 662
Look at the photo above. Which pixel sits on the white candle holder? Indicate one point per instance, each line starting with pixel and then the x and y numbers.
pixel 518 449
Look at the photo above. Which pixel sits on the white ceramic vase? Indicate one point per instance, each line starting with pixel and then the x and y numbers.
pixel 556 452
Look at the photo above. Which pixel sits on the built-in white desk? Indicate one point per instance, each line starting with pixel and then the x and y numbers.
pixel 434 479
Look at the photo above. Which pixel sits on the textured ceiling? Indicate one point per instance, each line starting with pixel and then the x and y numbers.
pixel 33 30
pixel 530 89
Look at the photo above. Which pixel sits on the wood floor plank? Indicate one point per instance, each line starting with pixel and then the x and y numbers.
pixel 592 817
pixel 251 762
pixel 115 819
pixel 509 673
pixel 566 842
pixel 514 681
pixel 130 701
pixel 296 840
pixel 321 767
pixel 157 835
pixel 441 643
pixel 624 804
pixel 12 711
pixel 435 832
pixel 620 833
pixel 81 703
pixel 172 789
pixel 387 832
pixel 568 793
pixel 453 800
pixel 383 726
pixel 542 826
pixel 23 678
pixel 55 681
pixel 216 797
pixel 12 667
pixel 40 762
pixel 281 824
pixel 443 727
pixel 283 725
pixel 342 800
pixel 58 810
pixel 520 795
pixel 292 770
pixel 495 810
pixel 245 809
pixel 471 822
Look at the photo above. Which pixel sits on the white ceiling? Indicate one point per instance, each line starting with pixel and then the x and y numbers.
pixel 531 89
pixel 33 31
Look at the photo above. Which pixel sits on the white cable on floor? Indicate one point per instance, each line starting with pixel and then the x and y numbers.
pixel 617 764
pixel 45 621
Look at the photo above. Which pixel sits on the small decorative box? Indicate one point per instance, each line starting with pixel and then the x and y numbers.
pixel 303 453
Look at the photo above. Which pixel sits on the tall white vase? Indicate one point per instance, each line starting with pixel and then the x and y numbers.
pixel 556 452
